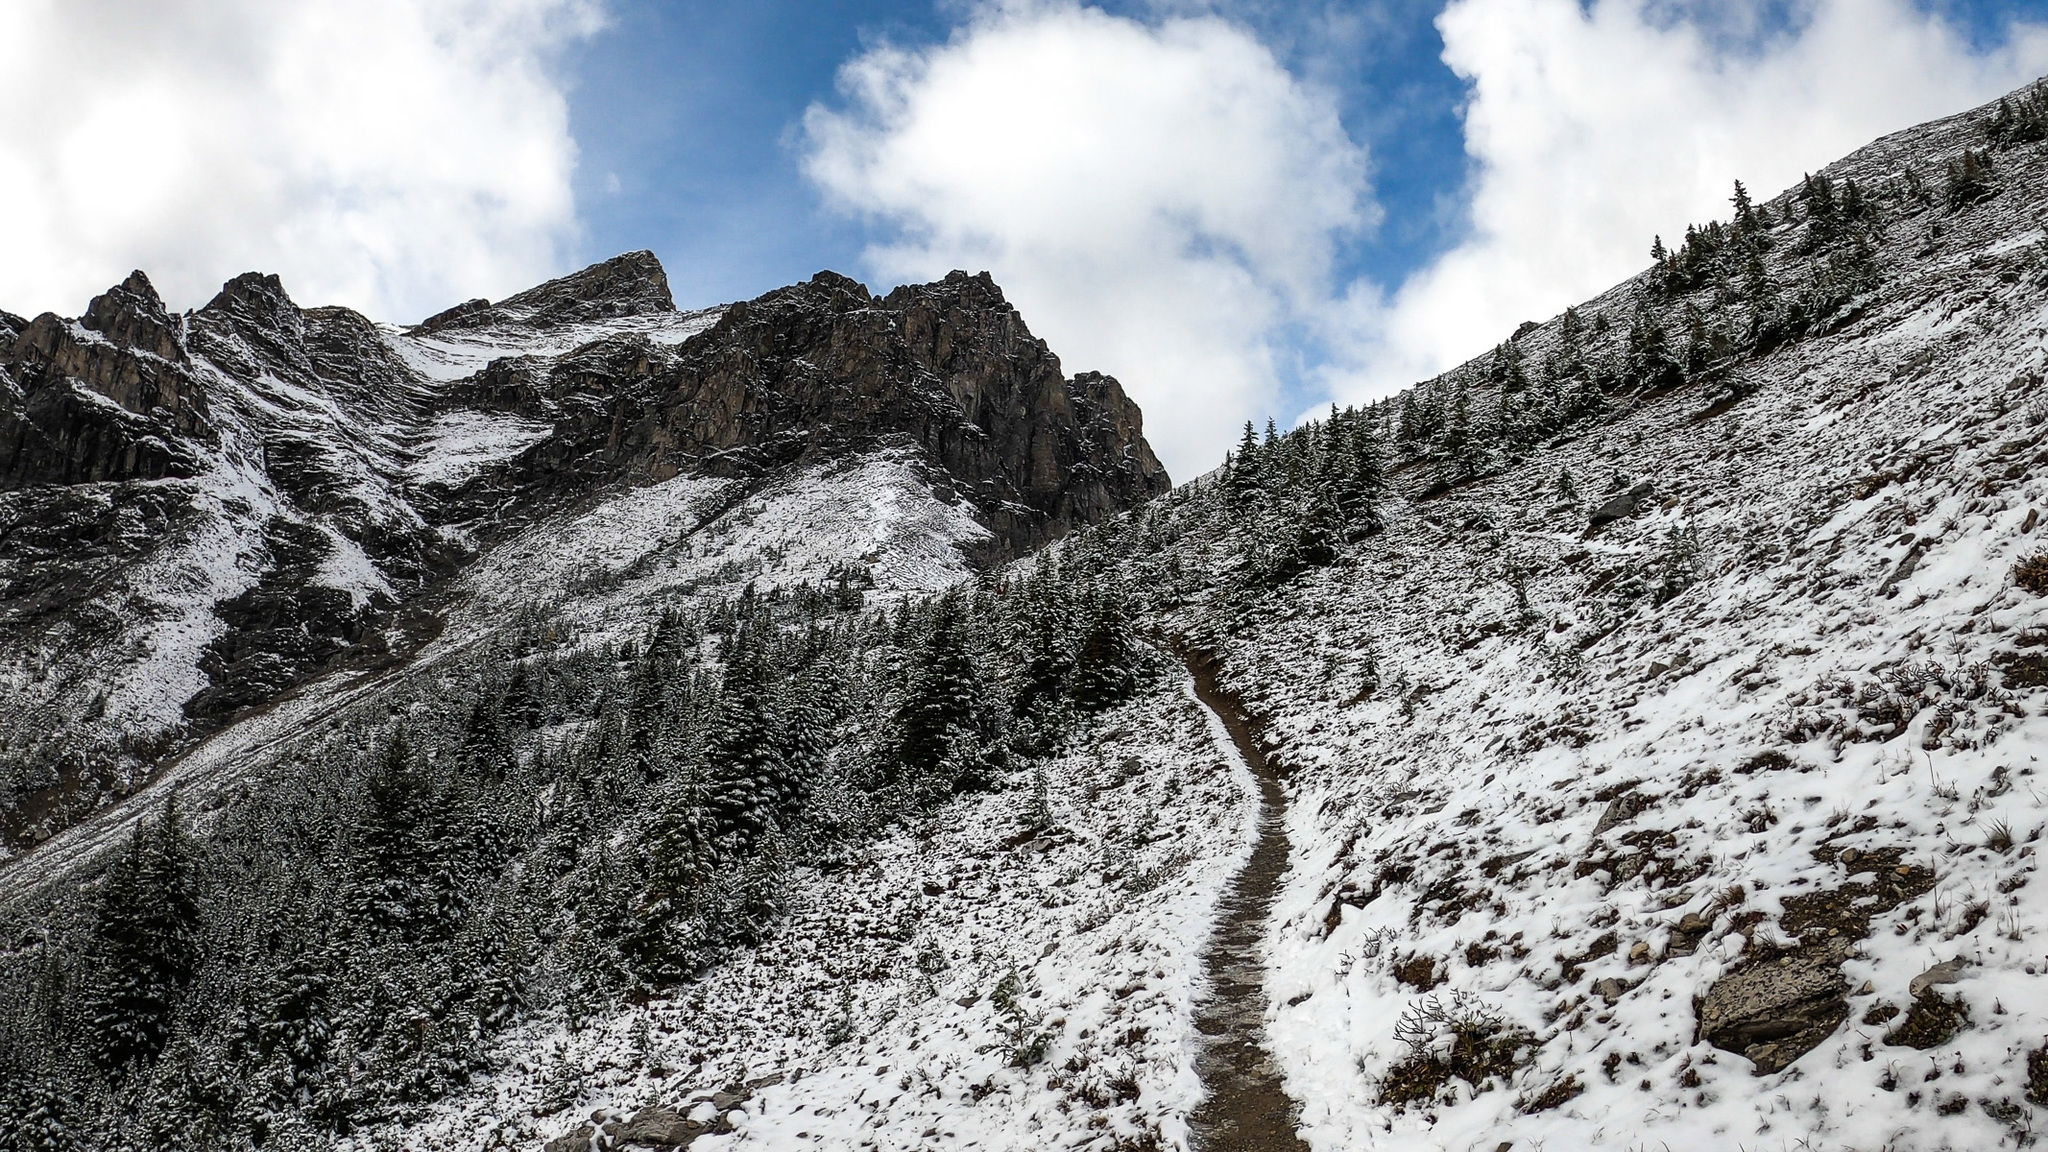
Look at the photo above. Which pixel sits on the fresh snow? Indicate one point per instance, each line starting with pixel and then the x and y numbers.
pixel 459 352
pixel 1102 917
pixel 458 445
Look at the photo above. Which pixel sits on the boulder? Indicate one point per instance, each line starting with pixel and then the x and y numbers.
pixel 1621 507
pixel 659 1128
pixel 579 1140
pixel 1774 1011
pixel 1946 972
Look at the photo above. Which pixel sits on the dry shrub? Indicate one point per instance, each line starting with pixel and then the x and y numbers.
pixel 1483 1048
pixel 2031 573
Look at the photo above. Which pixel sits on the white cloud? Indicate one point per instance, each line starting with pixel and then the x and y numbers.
pixel 1593 129
pixel 395 155
pixel 1160 201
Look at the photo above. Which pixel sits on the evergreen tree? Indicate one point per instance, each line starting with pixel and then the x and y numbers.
pixel 296 1024
pixel 1044 645
pixel 1106 665
pixel 807 720
pixel 1316 536
pixel 1650 365
pixel 404 876
pixel 747 779
pixel 1241 476
pixel 1746 225
pixel 1461 445
pixel 37 1111
pixel 1363 480
pixel 937 726
pixel 144 932
pixel 1969 179
pixel 486 745
pixel 2020 121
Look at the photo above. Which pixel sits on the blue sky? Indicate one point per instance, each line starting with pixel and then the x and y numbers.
pixel 691 124
pixel 684 111
pixel 1240 208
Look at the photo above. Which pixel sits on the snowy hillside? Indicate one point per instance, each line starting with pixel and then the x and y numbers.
pixel 727 730
pixel 1675 781
pixel 1662 767
pixel 208 513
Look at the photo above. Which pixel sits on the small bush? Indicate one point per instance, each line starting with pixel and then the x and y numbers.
pixel 1024 1038
pixel 1419 972
pixel 2031 573
pixel 1460 1038
pixel 1555 1096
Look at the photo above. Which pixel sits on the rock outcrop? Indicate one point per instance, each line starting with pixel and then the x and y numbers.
pixel 824 367
pixel 630 285
pixel 109 396
pixel 201 512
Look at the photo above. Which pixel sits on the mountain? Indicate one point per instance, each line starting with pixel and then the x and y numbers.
pixel 1627 739
pixel 205 512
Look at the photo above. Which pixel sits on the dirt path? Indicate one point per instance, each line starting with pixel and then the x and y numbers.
pixel 1246 1109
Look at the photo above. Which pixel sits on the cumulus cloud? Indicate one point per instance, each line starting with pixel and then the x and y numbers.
pixel 1593 128
pixel 394 155
pixel 1161 201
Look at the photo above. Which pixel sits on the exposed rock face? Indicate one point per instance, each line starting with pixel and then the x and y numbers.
pixel 1779 1010
pixel 200 512
pixel 823 367
pixel 630 285
pixel 106 397
pixel 1620 507
pixel 1776 1005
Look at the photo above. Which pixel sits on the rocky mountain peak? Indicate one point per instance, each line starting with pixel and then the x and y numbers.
pixel 133 315
pixel 632 284
pixel 108 397
pixel 256 302
pixel 826 367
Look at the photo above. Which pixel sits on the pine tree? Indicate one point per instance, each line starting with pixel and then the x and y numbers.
pixel 1043 643
pixel 1317 533
pixel 404 875
pixel 295 1024
pixel 1649 365
pixel 746 778
pixel 144 938
pixel 1461 444
pixel 1361 479
pixel 486 745
pixel 1969 179
pixel 1106 665
pixel 937 725
pixel 681 857
pixel 38 1112
pixel 1241 477
pixel 1747 227
pixel 806 730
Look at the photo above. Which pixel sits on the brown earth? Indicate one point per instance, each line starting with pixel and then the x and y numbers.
pixel 1246 1109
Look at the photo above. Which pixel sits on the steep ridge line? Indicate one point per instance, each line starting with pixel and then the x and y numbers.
pixel 1244 1108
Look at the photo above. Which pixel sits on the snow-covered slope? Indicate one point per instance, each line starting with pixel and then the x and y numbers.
pixel 1720 821
pixel 204 513
pixel 1673 781
pixel 890 1008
